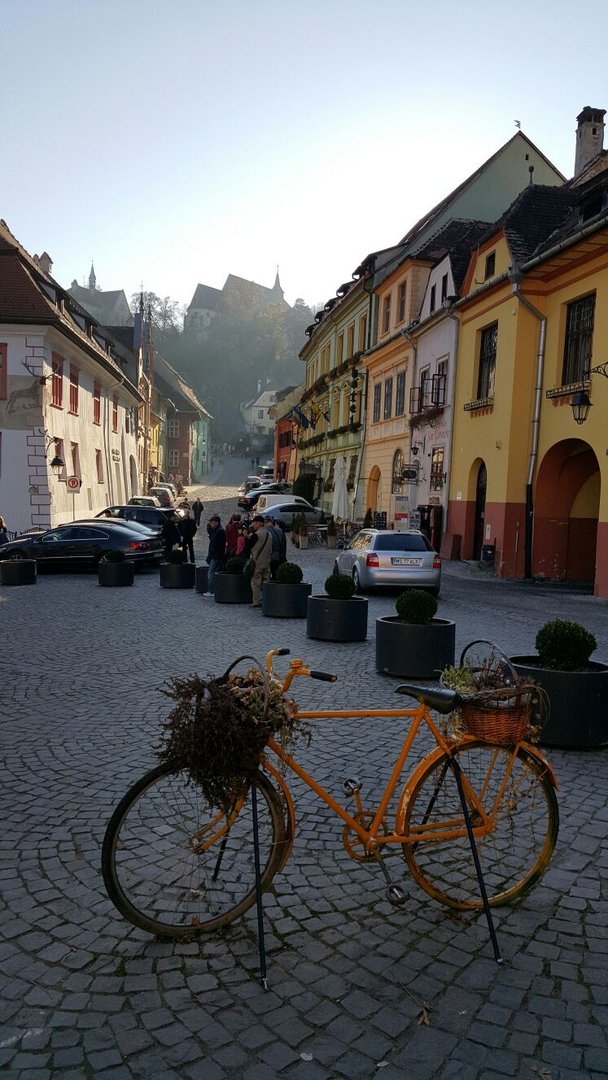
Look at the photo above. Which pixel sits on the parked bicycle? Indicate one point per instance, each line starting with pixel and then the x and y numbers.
pixel 176 867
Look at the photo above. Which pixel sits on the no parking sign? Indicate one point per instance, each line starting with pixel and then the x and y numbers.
pixel 73 483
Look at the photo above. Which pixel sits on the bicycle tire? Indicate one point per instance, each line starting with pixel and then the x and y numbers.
pixel 155 877
pixel 513 855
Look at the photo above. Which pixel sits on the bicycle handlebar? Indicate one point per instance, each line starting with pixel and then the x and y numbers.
pixel 323 675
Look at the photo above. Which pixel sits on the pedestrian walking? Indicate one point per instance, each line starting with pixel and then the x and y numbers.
pixel 260 558
pixel 216 555
pixel 197 510
pixel 187 529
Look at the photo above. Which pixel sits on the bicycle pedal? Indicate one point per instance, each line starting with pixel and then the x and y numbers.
pixel 352 785
pixel 396 896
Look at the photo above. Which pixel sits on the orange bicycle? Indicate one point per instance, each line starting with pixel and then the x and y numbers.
pixel 176 867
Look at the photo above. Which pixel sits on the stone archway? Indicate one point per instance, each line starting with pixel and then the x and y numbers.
pixel 566 510
pixel 371 501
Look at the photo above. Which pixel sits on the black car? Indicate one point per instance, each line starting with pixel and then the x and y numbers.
pixel 85 543
pixel 154 517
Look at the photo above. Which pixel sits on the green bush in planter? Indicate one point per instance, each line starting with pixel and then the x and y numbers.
pixel 113 557
pixel 235 565
pixel 564 646
pixel 289 573
pixel 416 606
pixel 176 557
pixel 339 587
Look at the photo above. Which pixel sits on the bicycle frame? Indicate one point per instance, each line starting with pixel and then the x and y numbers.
pixel 374 837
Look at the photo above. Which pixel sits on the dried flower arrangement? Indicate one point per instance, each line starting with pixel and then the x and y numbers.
pixel 497 704
pixel 218 727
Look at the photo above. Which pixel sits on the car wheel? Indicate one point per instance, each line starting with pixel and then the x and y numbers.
pixel 357 580
pixel 16 556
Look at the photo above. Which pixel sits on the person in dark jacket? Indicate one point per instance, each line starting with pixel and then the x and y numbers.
pixel 197 509
pixel 279 548
pixel 217 549
pixel 187 530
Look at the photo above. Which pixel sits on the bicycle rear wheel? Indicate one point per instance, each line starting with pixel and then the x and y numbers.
pixel 155 870
pixel 513 853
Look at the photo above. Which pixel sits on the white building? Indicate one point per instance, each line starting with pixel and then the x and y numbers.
pixel 63 395
pixel 255 413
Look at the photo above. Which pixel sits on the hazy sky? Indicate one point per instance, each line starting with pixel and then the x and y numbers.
pixel 176 141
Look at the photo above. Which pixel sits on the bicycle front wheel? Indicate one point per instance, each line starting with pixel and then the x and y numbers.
pixel 516 793
pixel 172 866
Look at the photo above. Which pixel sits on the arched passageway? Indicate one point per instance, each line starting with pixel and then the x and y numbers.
pixel 566 510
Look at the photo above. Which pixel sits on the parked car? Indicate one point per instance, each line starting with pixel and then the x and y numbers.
pixel 163 495
pixel 406 560
pixel 85 543
pixel 248 501
pixel 266 472
pixel 248 483
pixel 144 500
pixel 170 487
pixel 153 517
pixel 286 511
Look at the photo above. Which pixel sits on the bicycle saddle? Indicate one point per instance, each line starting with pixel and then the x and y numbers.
pixel 440 698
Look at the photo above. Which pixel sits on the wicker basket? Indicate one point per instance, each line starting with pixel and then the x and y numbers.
pixel 497 716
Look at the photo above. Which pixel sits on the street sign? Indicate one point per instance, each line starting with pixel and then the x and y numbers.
pixel 73 483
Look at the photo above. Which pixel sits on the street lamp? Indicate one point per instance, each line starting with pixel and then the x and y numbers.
pixel 57 465
pixel 580 406
pixel 580 402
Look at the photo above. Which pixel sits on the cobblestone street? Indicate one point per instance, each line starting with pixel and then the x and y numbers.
pixel 357 987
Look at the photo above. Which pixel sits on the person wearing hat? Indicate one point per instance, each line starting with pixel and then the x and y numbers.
pixel 260 557
pixel 217 549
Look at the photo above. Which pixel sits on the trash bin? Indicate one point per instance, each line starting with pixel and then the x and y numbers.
pixel 488 552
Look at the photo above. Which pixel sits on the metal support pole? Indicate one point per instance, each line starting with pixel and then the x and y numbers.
pixel 482 885
pixel 258 886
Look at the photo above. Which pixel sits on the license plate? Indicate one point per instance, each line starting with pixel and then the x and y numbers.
pixel 406 562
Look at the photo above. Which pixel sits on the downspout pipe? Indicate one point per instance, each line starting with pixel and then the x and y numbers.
pixel 414 348
pixel 448 304
pixel 515 277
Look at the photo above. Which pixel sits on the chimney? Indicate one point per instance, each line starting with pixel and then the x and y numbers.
pixel 589 137
pixel 45 262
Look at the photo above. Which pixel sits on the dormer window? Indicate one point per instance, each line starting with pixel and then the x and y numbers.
pixel 490 266
pixel 433 297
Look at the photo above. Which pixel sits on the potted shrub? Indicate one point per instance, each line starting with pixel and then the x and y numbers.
pixel 331 533
pixel 176 573
pixel 233 583
pixel 412 643
pixel 114 570
pixel 287 597
pixel 577 687
pixel 339 615
pixel 18 571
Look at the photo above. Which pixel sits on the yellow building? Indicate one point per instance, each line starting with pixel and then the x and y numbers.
pixel 528 482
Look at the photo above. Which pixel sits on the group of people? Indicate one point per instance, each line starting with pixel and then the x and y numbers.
pixel 262 543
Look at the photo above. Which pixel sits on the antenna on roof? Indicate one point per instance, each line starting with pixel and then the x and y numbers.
pixel 517 124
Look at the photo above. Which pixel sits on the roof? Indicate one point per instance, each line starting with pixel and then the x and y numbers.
pixel 170 382
pixel 29 295
pixel 205 298
pixel 103 306
pixel 434 213
pixel 457 238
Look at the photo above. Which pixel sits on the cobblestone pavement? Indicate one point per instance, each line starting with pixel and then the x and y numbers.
pixel 352 980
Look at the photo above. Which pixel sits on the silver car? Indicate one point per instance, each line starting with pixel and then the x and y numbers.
pixel 286 511
pixel 404 560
